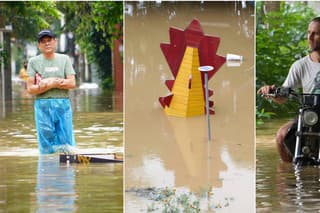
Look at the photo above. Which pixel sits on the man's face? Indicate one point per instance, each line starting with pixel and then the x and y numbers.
pixel 47 45
pixel 314 36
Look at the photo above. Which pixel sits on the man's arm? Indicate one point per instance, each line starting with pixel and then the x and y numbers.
pixel 35 89
pixel 50 83
pixel 267 90
pixel 68 83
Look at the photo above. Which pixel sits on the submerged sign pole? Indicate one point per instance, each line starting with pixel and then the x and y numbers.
pixel 205 70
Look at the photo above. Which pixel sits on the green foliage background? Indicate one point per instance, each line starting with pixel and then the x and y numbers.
pixel 27 17
pixel 281 39
pixel 95 24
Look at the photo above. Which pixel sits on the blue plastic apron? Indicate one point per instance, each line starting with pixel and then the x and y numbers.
pixel 54 124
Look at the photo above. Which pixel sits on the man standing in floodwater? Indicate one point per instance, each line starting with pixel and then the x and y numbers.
pixel 303 73
pixel 50 76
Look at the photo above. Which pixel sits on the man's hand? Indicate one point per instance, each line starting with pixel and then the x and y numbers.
pixel 67 83
pixel 62 84
pixel 59 83
pixel 50 83
pixel 266 90
pixel 44 84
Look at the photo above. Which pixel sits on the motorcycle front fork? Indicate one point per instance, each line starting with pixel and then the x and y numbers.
pixel 297 151
pixel 319 153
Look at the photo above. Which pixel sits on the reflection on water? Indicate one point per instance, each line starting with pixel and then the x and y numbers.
pixel 163 151
pixel 280 187
pixel 55 188
pixel 33 183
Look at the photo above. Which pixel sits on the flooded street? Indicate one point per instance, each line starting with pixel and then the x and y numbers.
pixel 33 183
pixel 280 187
pixel 170 156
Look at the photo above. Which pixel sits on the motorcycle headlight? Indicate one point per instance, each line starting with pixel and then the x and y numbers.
pixel 310 118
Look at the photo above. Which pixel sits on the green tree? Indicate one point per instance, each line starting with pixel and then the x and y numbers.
pixel 27 18
pixel 96 25
pixel 281 38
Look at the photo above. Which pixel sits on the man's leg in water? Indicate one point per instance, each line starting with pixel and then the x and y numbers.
pixel 281 134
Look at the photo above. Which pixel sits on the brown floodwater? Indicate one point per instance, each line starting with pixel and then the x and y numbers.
pixel 30 182
pixel 280 187
pixel 165 152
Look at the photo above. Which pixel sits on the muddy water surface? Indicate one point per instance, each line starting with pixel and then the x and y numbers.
pixel 281 187
pixel 173 153
pixel 33 183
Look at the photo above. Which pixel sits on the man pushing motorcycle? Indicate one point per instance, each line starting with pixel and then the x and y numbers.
pixel 304 73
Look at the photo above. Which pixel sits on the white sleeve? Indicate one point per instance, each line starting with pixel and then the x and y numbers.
pixel 293 79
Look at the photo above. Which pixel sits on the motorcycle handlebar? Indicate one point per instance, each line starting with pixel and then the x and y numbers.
pixel 281 92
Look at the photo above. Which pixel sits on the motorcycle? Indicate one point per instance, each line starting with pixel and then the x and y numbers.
pixel 303 138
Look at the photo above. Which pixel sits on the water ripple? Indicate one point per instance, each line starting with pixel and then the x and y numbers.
pixel 280 187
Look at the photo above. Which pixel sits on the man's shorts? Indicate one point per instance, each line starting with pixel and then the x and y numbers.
pixel 54 124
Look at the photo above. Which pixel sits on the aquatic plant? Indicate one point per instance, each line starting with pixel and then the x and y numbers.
pixel 169 201
pixel 261 115
pixel 172 200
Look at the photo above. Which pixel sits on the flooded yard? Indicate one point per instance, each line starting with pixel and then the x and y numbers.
pixel 169 162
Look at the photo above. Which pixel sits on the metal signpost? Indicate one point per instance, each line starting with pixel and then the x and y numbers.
pixel 205 70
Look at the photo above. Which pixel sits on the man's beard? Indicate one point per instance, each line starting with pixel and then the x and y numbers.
pixel 316 48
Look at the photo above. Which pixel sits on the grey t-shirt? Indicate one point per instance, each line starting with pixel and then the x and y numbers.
pixel 304 73
pixel 60 66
